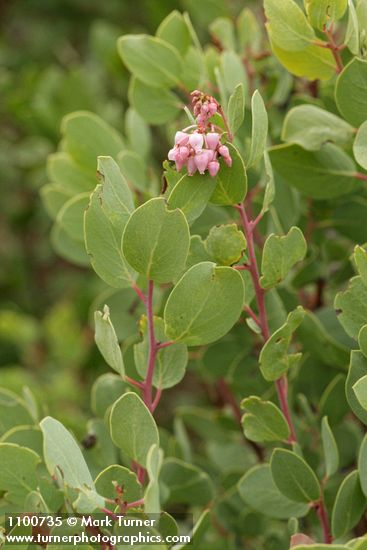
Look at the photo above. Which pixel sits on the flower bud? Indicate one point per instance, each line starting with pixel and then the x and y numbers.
pixel 184 152
pixel 196 141
pixel 224 151
pixel 180 162
pixel 213 108
pixel 197 108
pixel 210 154
pixel 201 161
pixel 212 140
pixel 201 119
pixel 191 166
pixel 181 138
pixel 172 153
pixel 228 160
pixel 213 168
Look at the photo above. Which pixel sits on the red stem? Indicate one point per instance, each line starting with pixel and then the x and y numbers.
pixel 281 384
pixel 139 292
pixel 148 382
pixel 282 390
pixel 135 504
pixel 157 398
pixel 360 176
pixel 242 267
pixel 334 48
pixel 154 346
pixel 162 345
pixel 140 472
pixel 324 520
pixel 133 382
pixel 253 315
pixel 254 272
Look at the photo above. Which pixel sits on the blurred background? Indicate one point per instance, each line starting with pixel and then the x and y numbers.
pixel 57 56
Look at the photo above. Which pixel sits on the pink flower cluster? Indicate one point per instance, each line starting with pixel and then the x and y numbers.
pixel 199 151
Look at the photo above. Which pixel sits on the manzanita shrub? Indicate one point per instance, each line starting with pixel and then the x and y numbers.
pixel 244 263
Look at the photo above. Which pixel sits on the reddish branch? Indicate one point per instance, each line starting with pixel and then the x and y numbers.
pixel 147 385
pixel 281 384
pixel 148 382
pixel 333 47
pixel 360 176
pixel 324 520
pixel 335 50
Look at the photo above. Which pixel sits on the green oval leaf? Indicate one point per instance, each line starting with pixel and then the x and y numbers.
pixel 105 390
pixel 62 169
pixel 357 370
pixel 231 182
pixel 18 472
pixel 156 241
pixel 87 136
pixel 350 93
pixel 323 174
pixel 263 421
pixel 280 254
pixel 65 460
pixel 106 483
pixel 351 306
pixel 71 215
pixel 348 507
pixel 106 340
pixel 133 428
pixel 258 490
pixel 311 127
pixel 191 194
pixel 116 198
pixel 72 250
pixel 360 389
pixel 236 108
pixel 187 484
pixel 155 105
pixel 103 244
pixel 294 477
pixel 173 29
pixel 287 25
pixel 54 197
pixel 133 168
pixel 152 504
pixel 360 146
pixel 330 448
pixel 323 12
pixel 274 358
pixel 362 340
pixel 225 244
pixel 360 258
pixel 259 132
pixel 362 465
pixel 313 62
pixel 152 60
pixel 204 305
